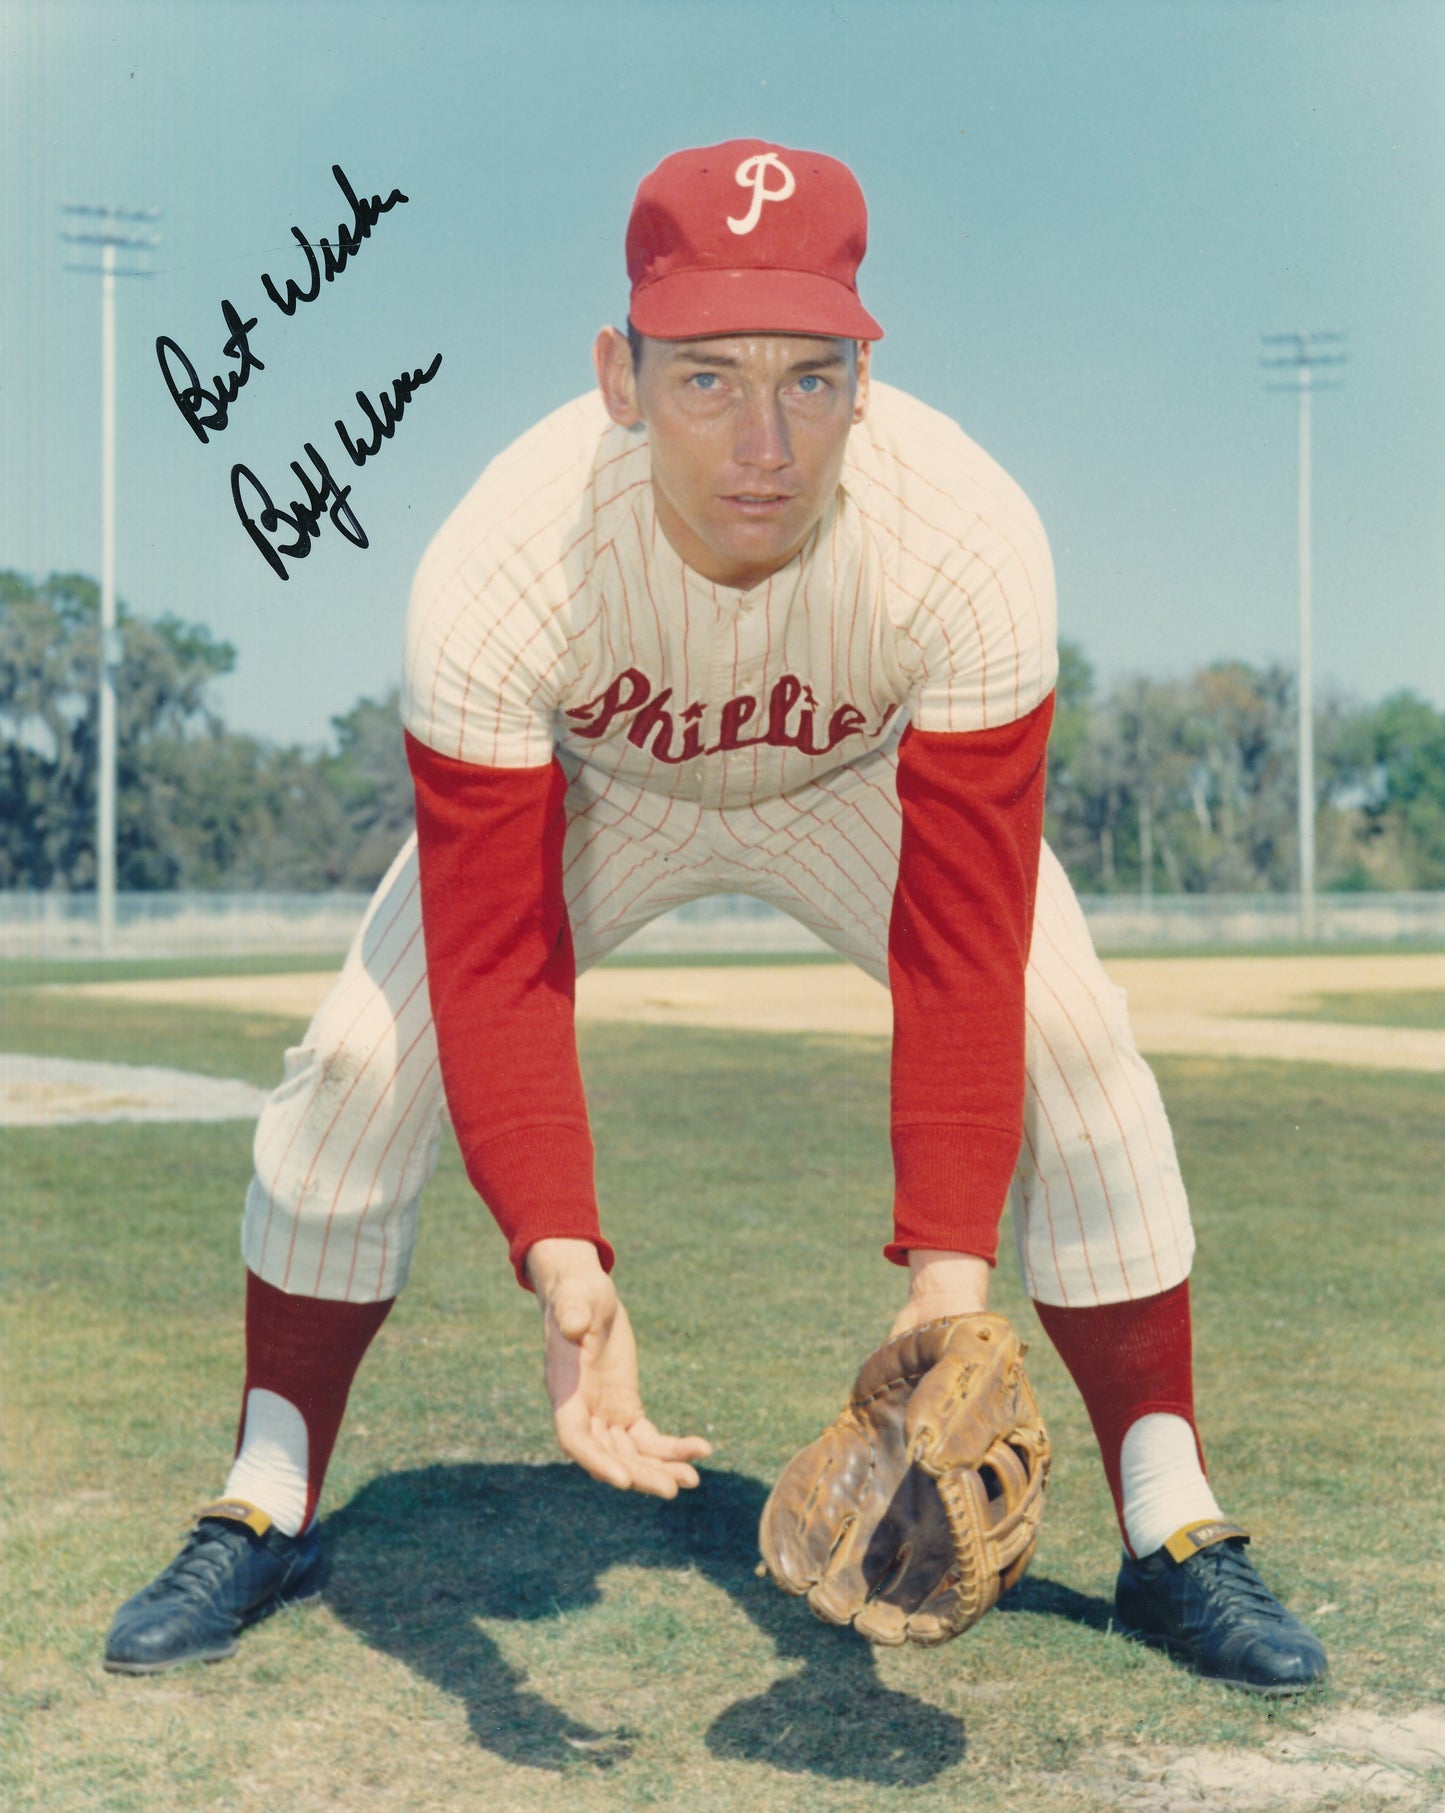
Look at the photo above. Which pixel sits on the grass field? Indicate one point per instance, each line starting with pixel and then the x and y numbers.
pixel 1424 1010
pixel 501 1633
pixel 35 972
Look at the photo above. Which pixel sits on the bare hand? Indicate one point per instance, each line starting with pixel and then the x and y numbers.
pixel 942 1284
pixel 590 1367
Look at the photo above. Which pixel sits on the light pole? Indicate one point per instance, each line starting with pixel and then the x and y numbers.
pixel 1303 358
pixel 109 234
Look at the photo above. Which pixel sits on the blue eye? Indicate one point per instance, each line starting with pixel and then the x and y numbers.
pixel 704 380
pixel 810 384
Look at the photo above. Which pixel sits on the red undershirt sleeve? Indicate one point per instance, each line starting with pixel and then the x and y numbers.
pixel 502 977
pixel 958 945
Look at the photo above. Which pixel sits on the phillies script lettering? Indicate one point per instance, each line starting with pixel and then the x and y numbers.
pixel 742 723
pixel 206 407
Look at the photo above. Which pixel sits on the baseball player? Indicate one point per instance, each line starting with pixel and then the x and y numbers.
pixel 742 620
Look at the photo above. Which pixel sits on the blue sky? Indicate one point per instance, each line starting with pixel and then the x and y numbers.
pixel 1084 215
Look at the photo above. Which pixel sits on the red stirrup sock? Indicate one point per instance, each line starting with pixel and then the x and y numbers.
pixel 1129 1360
pixel 306 1350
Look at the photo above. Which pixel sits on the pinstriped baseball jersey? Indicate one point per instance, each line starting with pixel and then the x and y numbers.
pixel 551 612
pixel 716 740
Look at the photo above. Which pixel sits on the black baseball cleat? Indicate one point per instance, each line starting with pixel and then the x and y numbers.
pixel 1200 1599
pixel 235 1569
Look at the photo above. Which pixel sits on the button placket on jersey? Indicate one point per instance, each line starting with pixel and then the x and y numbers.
pixel 693 652
pixel 740 625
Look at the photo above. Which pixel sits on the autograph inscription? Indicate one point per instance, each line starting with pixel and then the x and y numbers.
pixel 323 494
pixel 303 516
pixel 383 427
pixel 206 408
pixel 364 216
pixel 193 398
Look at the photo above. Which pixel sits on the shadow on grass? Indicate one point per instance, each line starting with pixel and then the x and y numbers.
pixel 417 1558
pixel 1035 1593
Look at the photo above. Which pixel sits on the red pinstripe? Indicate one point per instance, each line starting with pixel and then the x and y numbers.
pixel 345 1172
pixel 546 683
pixel 1069 907
pixel 1009 541
pixel 775 875
pixel 639 800
pixel 344 1040
pixel 404 1197
pixel 606 618
pixel 375 944
pixel 885 885
pixel 1113 1111
pixel 1083 1121
pixel 330 1126
pixel 646 566
pixel 402 1120
pixel 642 862
pixel 853 637
pixel 496 750
pixel 475 594
pixel 844 912
pixel 932 611
pixel 630 451
pixel 1125 1072
pixel 476 591
pixel 1030 1283
pixel 1048 1120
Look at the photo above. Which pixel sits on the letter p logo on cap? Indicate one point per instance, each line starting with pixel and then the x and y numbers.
pixel 752 173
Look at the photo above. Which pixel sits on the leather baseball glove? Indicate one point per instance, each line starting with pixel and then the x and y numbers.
pixel 920 1505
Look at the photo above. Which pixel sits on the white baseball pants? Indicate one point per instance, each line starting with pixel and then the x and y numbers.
pixel 346 1143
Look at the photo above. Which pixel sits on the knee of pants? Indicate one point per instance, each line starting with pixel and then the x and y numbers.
pixel 1100 1208
pixel 1078 1033
pixel 342 1150
pixel 347 1107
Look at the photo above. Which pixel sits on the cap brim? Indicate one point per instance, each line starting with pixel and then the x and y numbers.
pixel 693 304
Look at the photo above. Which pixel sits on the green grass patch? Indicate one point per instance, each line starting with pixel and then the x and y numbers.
pixel 216 1041
pixel 25 972
pixel 502 1633
pixel 1421 1010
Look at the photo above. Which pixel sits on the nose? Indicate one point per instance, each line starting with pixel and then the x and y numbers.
pixel 763 442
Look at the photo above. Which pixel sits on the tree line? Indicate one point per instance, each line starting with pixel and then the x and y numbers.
pixel 197 805
pixel 1155 786
pixel 1191 786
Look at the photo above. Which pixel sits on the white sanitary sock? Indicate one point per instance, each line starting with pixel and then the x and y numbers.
pixel 1164 1484
pixel 270 1470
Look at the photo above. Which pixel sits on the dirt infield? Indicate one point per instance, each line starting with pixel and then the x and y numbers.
pixel 1215 1006
pixel 50 1092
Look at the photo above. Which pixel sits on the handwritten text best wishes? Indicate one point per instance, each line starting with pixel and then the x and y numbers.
pixel 207 407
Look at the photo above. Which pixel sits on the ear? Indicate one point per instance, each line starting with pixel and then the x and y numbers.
pixel 612 359
pixel 865 366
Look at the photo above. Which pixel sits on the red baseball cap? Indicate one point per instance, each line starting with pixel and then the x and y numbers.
pixel 747 237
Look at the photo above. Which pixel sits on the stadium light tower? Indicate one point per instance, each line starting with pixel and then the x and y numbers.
pixel 1302 356
pixel 111 229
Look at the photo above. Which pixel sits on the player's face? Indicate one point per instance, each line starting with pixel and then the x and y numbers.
pixel 747 434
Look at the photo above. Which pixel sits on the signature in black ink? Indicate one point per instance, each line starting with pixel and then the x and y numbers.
pixel 192 398
pixel 302 516
pixel 323 494
pixel 364 216
pixel 392 409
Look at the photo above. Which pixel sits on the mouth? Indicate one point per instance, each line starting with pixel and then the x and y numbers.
pixel 758 503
